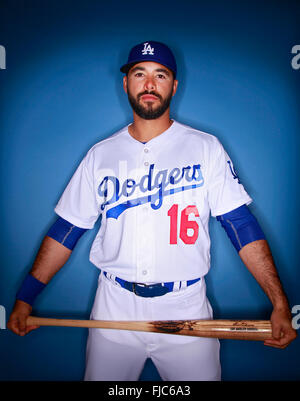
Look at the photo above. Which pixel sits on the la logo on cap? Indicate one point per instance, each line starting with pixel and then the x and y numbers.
pixel 148 49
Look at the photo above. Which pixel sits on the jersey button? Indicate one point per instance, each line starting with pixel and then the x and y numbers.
pixel 146 150
pixel 144 272
pixel 146 164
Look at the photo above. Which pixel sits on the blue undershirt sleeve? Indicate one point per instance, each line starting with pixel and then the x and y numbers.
pixel 65 233
pixel 241 227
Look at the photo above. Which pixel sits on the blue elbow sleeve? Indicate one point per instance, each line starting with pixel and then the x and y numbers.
pixel 65 233
pixel 241 227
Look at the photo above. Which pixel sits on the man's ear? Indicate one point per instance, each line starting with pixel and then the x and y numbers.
pixel 175 84
pixel 125 83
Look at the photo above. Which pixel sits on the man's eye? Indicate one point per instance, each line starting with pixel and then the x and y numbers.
pixel 138 74
pixel 161 76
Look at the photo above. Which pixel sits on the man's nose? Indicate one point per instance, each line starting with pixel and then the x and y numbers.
pixel 149 84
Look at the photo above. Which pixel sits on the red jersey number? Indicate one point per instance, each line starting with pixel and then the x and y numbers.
pixel 185 224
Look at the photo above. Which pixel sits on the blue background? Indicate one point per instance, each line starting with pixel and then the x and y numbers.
pixel 61 93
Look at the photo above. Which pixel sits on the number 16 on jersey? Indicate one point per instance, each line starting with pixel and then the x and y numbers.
pixel 184 225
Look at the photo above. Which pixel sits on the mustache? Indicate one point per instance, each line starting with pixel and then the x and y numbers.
pixel 149 93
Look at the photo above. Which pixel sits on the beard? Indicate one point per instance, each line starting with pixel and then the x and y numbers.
pixel 149 112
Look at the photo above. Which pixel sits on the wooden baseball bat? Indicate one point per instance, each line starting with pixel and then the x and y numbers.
pixel 259 330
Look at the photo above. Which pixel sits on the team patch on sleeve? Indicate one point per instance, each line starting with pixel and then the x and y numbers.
pixel 233 172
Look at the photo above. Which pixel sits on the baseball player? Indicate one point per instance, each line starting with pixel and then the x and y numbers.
pixel 155 183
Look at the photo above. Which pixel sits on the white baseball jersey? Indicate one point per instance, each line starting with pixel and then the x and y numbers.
pixel 155 200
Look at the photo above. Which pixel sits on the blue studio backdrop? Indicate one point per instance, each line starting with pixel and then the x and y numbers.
pixel 61 92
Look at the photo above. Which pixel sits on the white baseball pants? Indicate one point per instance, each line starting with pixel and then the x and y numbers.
pixel 120 355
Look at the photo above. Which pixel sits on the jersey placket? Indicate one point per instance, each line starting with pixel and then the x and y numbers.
pixel 144 240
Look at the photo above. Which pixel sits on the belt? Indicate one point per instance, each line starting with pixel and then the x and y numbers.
pixel 151 290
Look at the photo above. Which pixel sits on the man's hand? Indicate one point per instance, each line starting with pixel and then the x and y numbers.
pixel 18 317
pixel 282 331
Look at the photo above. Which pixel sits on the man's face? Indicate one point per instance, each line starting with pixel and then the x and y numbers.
pixel 150 87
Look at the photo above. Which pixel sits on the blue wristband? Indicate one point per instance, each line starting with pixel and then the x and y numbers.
pixel 30 289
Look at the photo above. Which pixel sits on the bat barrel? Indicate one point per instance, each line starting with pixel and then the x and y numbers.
pixel 259 330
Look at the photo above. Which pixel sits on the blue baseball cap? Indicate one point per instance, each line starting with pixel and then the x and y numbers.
pixel 151 51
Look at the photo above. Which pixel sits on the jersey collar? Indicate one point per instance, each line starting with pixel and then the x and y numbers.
pixel 159 140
